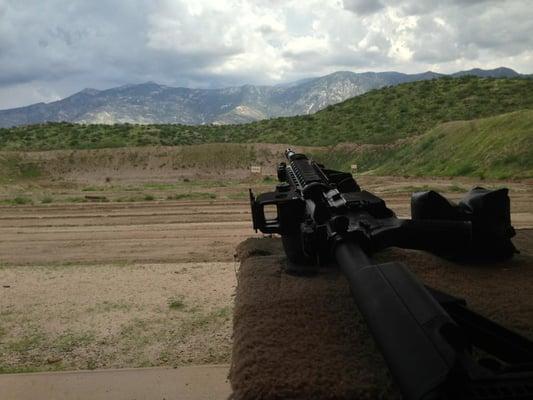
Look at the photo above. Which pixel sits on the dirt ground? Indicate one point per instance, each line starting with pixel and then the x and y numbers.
pixel 111 316
pixel 117 232
pixel 165 230
pixel 142 273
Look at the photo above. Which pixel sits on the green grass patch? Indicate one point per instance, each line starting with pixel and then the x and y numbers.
pixel 499 147
pixel 29 171
pixel 27 342
pixel 160 186
pixel 238 195
pixel 192 196
pixel 21 200
pixel 269 179
pixel 109 306
pixel 70 341
pixel 76 199
pixel 215 316
pixel 13 168
pixel 18 201
pixel 176 303
pixel 24 369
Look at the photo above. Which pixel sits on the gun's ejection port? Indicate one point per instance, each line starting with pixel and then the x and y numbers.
pixel 335 198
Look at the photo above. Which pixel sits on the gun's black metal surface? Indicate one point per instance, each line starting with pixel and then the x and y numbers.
pixel 427 337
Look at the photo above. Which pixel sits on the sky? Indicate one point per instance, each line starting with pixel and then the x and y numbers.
pixel 50 49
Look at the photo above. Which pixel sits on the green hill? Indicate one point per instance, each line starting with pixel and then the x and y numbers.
pixel 496 147
pixel 379 116
pixel 385 115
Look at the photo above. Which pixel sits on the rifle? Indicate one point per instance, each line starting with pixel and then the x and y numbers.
pixel 429 339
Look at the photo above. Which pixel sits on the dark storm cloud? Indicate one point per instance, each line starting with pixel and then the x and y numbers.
pixel 363 7
pixel 49 49
pixel 454 33
pixel 54 38
pixel 95 43
pixel 413 7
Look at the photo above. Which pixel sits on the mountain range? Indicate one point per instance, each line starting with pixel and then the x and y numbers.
pixel 150 102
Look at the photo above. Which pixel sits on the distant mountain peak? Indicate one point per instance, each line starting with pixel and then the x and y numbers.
pixel 150 102
pixel 341 73
pixel 500 72
pixel 89 91
pixel 149 83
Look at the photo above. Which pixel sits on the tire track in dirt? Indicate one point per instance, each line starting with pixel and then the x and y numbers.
pixel 177 231
pixel 114 232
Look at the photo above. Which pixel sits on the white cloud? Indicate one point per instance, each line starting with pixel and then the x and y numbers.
pixel 53 48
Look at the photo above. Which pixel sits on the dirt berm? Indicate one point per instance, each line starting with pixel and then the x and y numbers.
pixel 303 338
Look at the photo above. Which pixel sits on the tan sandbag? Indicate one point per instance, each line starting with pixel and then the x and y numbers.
pixel 303 338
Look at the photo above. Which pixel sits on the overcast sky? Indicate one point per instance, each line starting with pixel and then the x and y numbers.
pixel 52 48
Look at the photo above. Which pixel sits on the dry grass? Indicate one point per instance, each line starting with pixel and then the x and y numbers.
pixel 113 316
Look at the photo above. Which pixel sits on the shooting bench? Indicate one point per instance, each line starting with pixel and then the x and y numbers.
pixel 303 337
